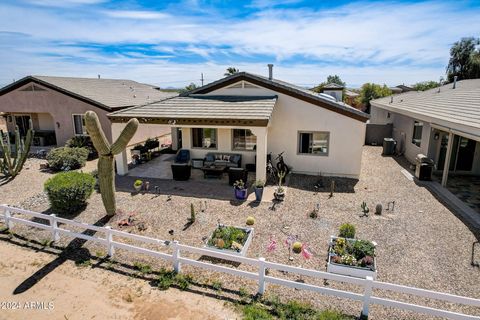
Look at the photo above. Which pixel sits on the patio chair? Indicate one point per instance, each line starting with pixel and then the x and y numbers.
pixel 235 174
pixel 182 156
pixel 181 171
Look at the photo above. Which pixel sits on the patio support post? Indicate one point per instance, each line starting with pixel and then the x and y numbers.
pixel 261 169
pixel 448 155
pixel 174 135
pixel 121 161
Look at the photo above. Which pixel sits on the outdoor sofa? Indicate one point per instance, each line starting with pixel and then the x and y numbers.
pixel 230 160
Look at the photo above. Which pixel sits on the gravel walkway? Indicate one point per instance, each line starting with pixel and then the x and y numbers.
pixel 421 243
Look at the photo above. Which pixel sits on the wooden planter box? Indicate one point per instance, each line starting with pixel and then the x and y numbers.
pixel 243 252
pixel 346 270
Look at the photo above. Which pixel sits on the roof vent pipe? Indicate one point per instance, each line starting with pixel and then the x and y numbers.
pixel 98 76
pixel 270 71
pixel 454 82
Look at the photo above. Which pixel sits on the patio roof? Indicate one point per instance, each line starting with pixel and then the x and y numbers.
pixel 203 109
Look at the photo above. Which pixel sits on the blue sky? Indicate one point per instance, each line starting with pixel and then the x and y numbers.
pixel 170 43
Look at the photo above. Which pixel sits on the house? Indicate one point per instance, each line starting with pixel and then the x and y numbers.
pixel 56 104
pixel 334 90
pixel 441 123
pixel 401 88
pixel 254 115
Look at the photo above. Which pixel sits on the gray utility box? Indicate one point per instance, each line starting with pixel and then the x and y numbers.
pixel 423 167
pixel 389 146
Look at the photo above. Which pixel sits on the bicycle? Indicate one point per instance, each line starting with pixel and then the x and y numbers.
pixel 281 165
pixel 272 173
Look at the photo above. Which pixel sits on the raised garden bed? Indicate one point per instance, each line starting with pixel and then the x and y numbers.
pixel 352 257
pixel 231 240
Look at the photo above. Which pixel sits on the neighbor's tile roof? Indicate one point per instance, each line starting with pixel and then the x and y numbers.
pixel 460 105
pixel 107 93
pixel 204 107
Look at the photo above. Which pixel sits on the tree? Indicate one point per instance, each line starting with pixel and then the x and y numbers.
pixel 190 87
pixel 464 59
pixel 330 79
pixel 370 91
pixel 425 85
pixel 231 71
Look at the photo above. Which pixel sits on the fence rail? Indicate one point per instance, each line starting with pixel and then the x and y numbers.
pixel 177 260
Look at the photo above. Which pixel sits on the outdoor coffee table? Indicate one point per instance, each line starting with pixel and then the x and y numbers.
pixel 213 171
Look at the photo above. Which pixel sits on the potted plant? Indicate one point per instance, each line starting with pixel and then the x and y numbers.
pixel 152 143
pixel 279 193
pixel 259 184
pixel 137 185
pixel 234 240
pixel 240 190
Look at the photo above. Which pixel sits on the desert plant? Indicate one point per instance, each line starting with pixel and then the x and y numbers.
pixel 151 143
pixel 217 285
pixel 11 168
pixel 281 176
pixel 239 184
pixel 106 156
pixel 250 221
pixel 66 158
pixel 138 184
pixel 363 248
pixel 365 208
pixel 192 213
pixel 347 231
pixel 83 142
pixel 297 247
pixel 143 268
pixel 378 209
pixel 259 184
pixel 223 237
pixel 183 281
pixel 165 279
pixel 68 191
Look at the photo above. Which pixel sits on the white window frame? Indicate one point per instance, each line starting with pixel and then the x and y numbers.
pixel 84 128
pixel 415 125
pixel 323 154
pixel 204 148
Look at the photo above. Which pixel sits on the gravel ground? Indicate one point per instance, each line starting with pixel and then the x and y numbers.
pixel 420 244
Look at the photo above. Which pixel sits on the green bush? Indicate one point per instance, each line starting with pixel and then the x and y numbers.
pixel 68 191
pixel 66 158
pixel 83 142
pixel 347 230
pixel 256 312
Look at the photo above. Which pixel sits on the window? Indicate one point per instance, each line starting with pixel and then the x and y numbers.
pixel 204 138
pixel 244 139
pixel 313 143
pixel 79 128
pixel 417 133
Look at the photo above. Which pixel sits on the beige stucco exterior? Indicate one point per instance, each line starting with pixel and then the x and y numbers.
pixel 50 110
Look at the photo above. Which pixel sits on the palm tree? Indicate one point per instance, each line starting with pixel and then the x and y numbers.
pixel 231 71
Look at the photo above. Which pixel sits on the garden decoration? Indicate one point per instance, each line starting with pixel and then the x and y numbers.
pixel 272 245
pixel 171 233
pixel 106 152
pixel 288 242
pixel 137 185
pixel 307 254
pixel 169 197
pixel 192 213
pixel 232 239
pixel 203 206
pixel 240 190
pixel 314 213
pixel 147 185
pixel 393 206
pixel 378 209
pixel 332 188
pixel 22 147
pixel 365 209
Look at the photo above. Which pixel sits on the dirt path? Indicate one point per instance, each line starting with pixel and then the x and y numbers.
pixel 71 292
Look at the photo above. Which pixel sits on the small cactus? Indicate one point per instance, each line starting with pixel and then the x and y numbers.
pixel 378 209
pixel 365 208
pixel 11 168
pixel 281 176
pixel 192 213
pixel 297 247
pixel 250 221
pixel 106 152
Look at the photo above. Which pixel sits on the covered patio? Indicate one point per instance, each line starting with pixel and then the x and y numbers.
pixel 204 125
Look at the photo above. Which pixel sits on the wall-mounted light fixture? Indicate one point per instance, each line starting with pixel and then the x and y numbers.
pixel 436 136
pixel 58 124
pixel 172 122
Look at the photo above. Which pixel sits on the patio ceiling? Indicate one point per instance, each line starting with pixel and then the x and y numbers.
pixel 203 110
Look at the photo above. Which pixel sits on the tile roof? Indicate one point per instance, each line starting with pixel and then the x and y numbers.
pixel 460 105
pixel 287 88
pixel 108 93
pixel 204 107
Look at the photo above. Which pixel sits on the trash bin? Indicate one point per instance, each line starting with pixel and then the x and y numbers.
pixel 423 167
pixel 389 146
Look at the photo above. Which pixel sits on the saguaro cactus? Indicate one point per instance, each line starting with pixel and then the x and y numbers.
pixel 106 154
pixel 11 168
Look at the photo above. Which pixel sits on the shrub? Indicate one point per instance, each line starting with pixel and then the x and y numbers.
pixel 347 231
pixel 151 143
pixel 165 279
pixel 66 158
pixel 363 248
pixel 223 237
pixel 256 312
pixel 68 191
pixel 83 142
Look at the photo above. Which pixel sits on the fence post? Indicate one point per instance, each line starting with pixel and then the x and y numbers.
pixel 366 296
pixel 176 254
pixel 261 276
pixel 8 215
pixel 54 225
pixel 109 237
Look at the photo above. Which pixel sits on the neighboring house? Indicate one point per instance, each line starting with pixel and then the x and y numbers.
pixel 334 90
pixel 401 89
pixel 56 105
pixel 254 115
pixel 441 123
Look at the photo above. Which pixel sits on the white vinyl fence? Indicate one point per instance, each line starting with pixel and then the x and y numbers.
pixel 111 242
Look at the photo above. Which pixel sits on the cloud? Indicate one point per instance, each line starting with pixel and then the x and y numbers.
pixel 129 14
pixel 389 42
pixel 64 3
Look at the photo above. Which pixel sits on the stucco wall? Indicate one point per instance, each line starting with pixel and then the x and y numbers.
pixel 291 115
pixel 403 133
pixel 59 106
